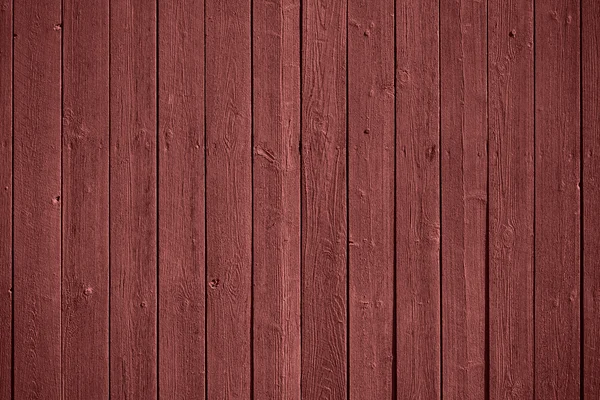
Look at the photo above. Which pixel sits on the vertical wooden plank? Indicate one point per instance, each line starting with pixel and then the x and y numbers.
pixel 324 195
pixel 557 230
pixel 590 31
pixel 228 198
pixel 85 279
pixel 463 42
pixel 133 297
pixel 181 200
pixel 511 199
pixel 6 197
pixel 37 202
pixel 276 108
pixel 417 200
pixel 371 121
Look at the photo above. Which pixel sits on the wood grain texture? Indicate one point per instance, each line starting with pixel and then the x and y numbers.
pixel 133 198
pixel 276 272
pixel 228 198
pixel 6 196
pixel 557 230
pixel 324 200
pixel 85 153
pixel 511 199
pixel 463 42
pixel 417 200
pixel 181 200
pixel 37 200
pixel 371 138
pixel 590 86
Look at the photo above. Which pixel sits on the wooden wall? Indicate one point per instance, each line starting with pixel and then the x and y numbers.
pixel 299 199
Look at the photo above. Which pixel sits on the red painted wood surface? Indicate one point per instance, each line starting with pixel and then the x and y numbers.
pixel 133 198
pixel 511 199
pixel 37 200
pixel 418 332
pixel 85 160
pixel 299 199
pixel 557 200
pixel 324 201
pixel 464 135
pixel 181 223
pixel 590 89
pixel 276 183
pixel 371 198
pixel 228 199
pixel 6 198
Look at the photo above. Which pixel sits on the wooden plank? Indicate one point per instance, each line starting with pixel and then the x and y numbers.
pixel 324 195
pixel 417 200
pixel 557 174
pixel 181 200
pixel 590 81
pixel 133 224
pixel 6 196
pixel 85 152
pixel 511 199
pixel 37 200
pixel 276 108
pixel 371 138
pixel 228 199
pixel 463 42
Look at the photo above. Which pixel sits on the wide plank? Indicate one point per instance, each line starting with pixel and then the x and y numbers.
pixel 228 199
pixel 464 133
pixel 324 200
pixel 276 188
pixel 85 153
pixel 133 200
pixel 371 139
pixel 418 331
pixel 511 199
pixel 557 197
pixel 181 200
pixel 37 199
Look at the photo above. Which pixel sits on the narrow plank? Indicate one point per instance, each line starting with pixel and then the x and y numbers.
pixel 371 121
pixel 418 338
pixel 6 197
pixel 37 200
pixel 85 275
pixel 276 108
pixel 463 43
pixel 133 214
pixel 557 175
pixel 324 200
pixel 511 199
pixel 181 200
pixel 590 31
pixel 228 198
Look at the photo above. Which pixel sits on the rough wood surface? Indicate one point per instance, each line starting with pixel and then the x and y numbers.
pixel 371 198
pixel 418 351
pixel 276 272
pixel 6 197
pixel 85 158
pixel 463 42
pixel 324 201
pixel 228 199
pixel 181 200
pixel 557 191
pixel 590 86
pixel 133 198
pixel 37 200
pixel 511 196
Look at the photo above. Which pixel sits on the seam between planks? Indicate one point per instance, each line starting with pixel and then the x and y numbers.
pixel 534 195
pixel 487 208
pixel 395 234
pixel 157 134
pixel 581 216
pixel 440 259
pixel 252 199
